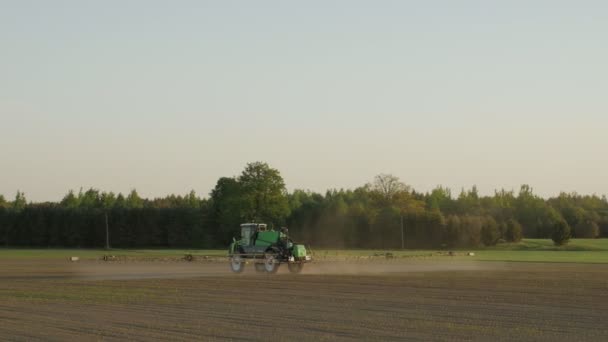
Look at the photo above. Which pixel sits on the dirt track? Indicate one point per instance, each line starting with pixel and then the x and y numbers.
pixel 55 300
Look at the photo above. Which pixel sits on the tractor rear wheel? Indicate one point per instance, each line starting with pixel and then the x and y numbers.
pixel 237 264
pixel 271 264
pixel 295 267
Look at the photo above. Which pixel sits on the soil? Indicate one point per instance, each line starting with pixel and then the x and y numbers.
pixel 392 300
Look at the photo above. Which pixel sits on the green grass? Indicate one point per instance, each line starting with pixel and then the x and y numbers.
pixel 543 250
pixel 543 256
pixel 547 245
pixel 530 250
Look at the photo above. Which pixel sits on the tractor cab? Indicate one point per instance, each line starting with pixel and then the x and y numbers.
pixel 249 232
pixel 256 237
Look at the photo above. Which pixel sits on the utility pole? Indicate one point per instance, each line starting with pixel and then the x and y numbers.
pixel 402 233
pixel 107 232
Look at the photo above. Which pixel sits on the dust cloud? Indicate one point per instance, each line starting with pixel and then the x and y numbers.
pixel 176 270
pixel 371 268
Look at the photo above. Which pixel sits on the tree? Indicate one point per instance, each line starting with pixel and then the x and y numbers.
pixel 587 229
pixel 513 232
pixel 490 232
pixel 70 200
pixel 20 202
pixel 264 193
pixel 470 231
pixel 133 200
pixel 574 216
pixel 469 202
pixel 191 200
pixel 561 233
pixel 120 202
pixel 367 217
pixel 107 200
pixel 387 186
pixel 528 210
pixel 227 208
pixel 546 218
pixel 441 199
pixel 452 228
pixel 89 199
pixel 335 215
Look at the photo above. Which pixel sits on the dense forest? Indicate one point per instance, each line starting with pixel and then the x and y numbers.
pixel 385 213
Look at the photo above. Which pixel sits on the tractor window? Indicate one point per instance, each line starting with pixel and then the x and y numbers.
pixel 246 235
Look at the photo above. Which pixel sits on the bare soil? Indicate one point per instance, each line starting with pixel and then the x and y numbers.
pixel 392 300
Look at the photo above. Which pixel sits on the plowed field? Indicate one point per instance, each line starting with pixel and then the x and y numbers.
pixel 392 300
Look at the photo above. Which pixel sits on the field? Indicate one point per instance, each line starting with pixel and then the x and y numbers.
pixel 528 250
pixel 418 295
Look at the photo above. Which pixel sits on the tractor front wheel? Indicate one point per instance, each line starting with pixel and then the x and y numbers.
pixel 295 267
pixel 271 264
pixel 237 264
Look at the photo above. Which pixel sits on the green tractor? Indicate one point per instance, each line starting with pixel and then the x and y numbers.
pixel 267 249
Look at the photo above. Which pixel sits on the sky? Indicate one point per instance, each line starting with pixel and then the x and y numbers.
pixel 169 96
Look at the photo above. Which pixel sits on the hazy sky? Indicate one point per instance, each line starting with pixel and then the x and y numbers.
pixel 168 96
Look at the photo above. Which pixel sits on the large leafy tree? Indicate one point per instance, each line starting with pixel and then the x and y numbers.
pixel 389 192
pixel 264 194
pixel 386 188
pixel 257 195
pixel 226 207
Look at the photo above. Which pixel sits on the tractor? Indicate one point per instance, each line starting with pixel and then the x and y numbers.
pixel 267 249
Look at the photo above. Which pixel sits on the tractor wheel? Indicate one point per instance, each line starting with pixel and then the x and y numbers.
pixel 271 264
pixel 295 267
pixel 259 267
pixel 237 264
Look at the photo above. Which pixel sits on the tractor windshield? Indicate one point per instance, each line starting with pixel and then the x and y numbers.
pixel 246 232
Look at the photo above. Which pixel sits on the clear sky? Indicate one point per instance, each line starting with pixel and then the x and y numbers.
pixel 168 96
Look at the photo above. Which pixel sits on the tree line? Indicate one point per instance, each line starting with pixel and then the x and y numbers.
pixel 385 213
